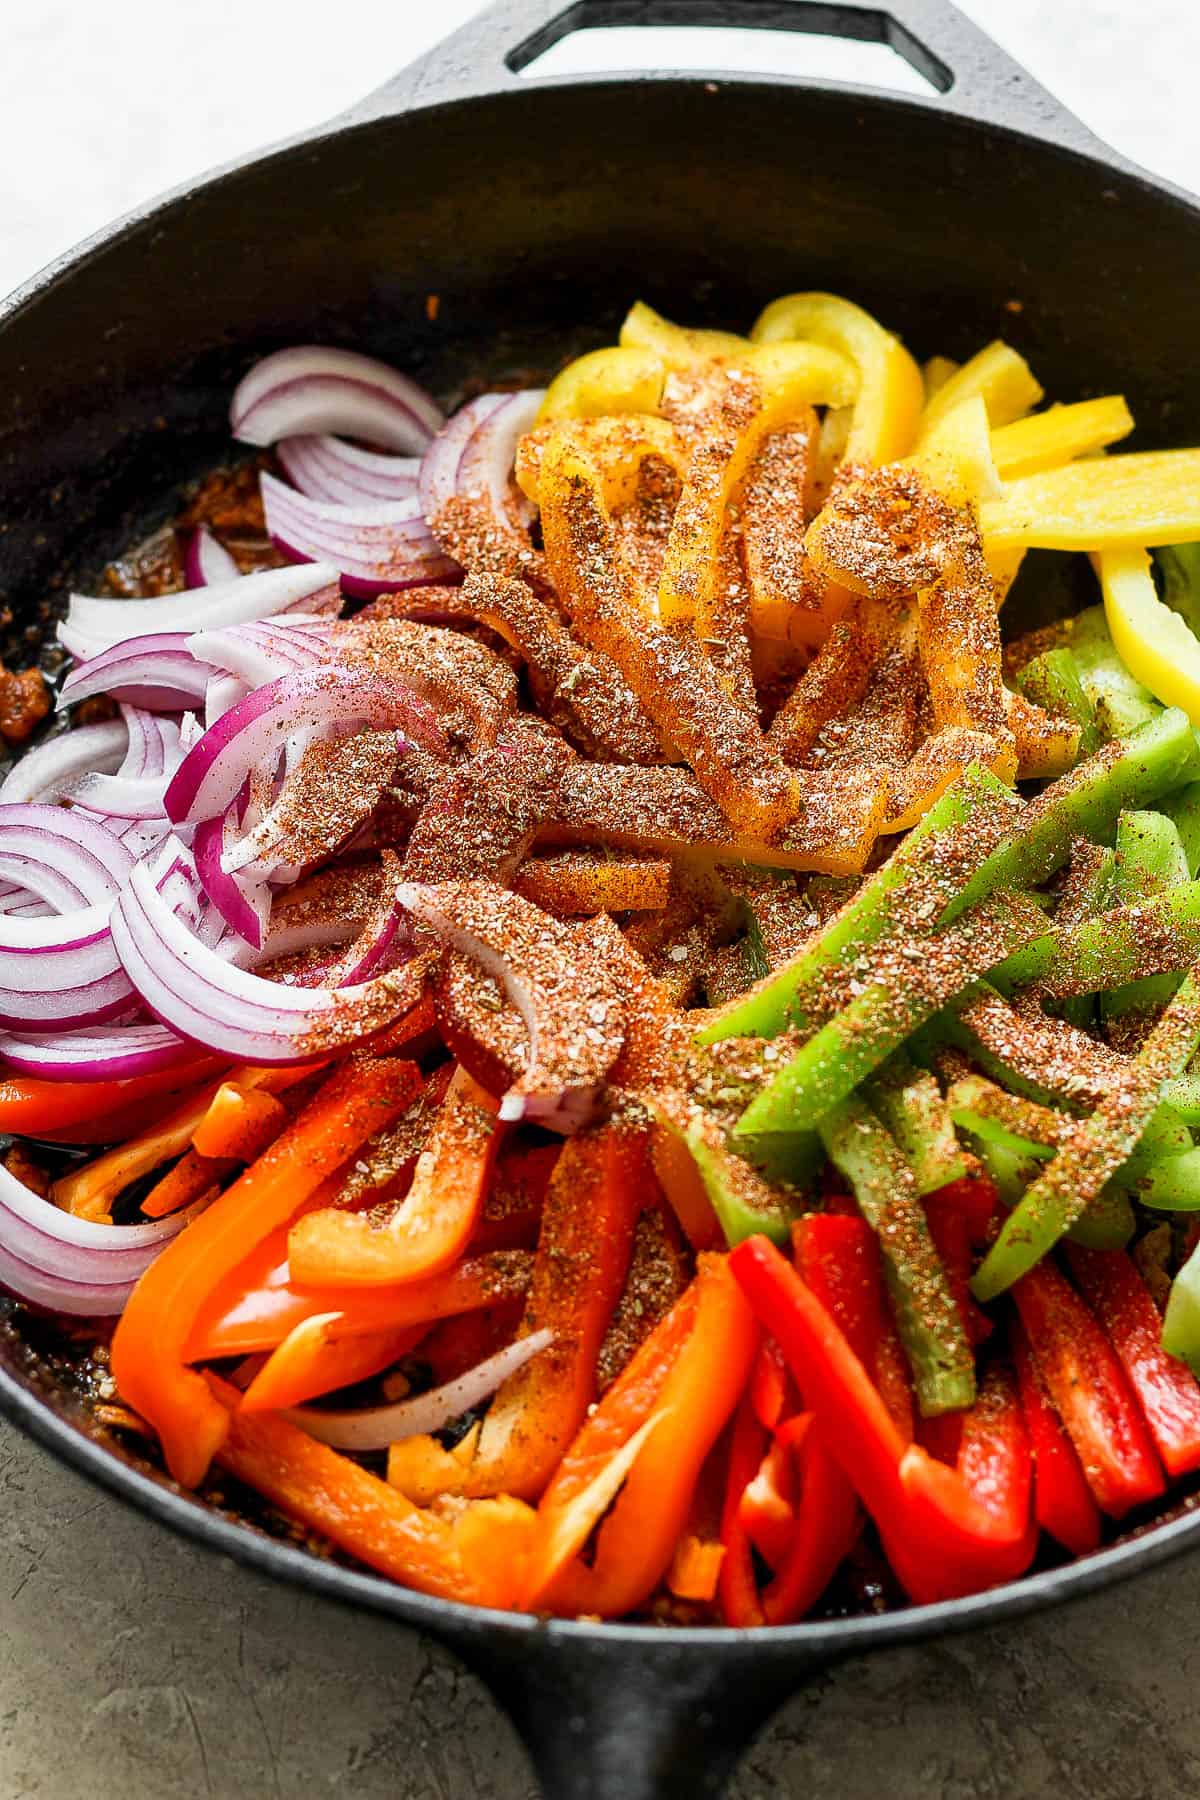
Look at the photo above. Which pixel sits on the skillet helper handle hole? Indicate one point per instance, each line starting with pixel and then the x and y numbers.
pixel 606 1718
pixel 943 59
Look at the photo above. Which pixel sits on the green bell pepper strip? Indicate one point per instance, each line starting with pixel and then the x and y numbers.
pixel 1089 891
pixel 1107 1224
pixel 1183 809
pixel 1184 1095
pixel 1150 859
pixel 1095 1151
pixel 1119 701
pixel 1172 1185
pixel 1032 1130
pixel 1155 937
pixel 927 1318
pixel 1181 1322
pixel 744 1202
pixel 1087 802
pixel 915 875
pixel 915 981
pixel 1053 681
pixel 909 1101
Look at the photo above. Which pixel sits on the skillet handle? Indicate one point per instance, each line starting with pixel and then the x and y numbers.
pixel 604 1718
pixel 970 73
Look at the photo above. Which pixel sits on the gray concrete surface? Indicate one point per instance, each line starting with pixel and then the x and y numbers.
pixel 135 1667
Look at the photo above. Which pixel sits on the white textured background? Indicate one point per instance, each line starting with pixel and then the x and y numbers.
pixel 105 102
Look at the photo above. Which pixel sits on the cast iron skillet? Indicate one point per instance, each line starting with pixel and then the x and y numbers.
pixel 536 211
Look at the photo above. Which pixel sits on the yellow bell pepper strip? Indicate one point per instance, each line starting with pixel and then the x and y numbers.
pixel 580 883
pixel 313 1360
pixel 1048 439
pixel 744 411
pixel 88 1193
pixel 836 678
pixel 955 456
pixel 696 1394
pixel 596 1192
pixel 362 1096
pixel 620 380
pixel 678 346
pixel 1095 1151
pixel 936 372
pixel 477 1558
pixel 669 671
pixel 1147 497
pixel 998 375
pixel 890 391
pixel 945 1531
pixel 695 1568
pixel 1154 643
pixel 616 447
pixel 665 811
pixel 433 1224
pixel 785 603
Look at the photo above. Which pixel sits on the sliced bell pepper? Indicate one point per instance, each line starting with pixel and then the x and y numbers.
pixel 1062 1499
pixel 696 1394
pixel 950 1229
pixel 999 376
pixel 313 1360
pixel 433 1224
pixel 737 1584
pixel 596 1193
pixel 1167 1391
pixel 838 1257
pixel 681 1182
pixel 767 1509
pixel 890 390
pixel 624 379
pixel 360 1097
pixel 828 1525
pixel 770 1384
pixel 1106 503
pixel 478 1557
pixel 1089 1391
pixel 512 1210
pixel 1060 434
pixel 30 1107
pixel 189 1179
pixel 1156 645
pixel 237 1127
pixel 695 1567
pixel 946 1531
pixel 678 345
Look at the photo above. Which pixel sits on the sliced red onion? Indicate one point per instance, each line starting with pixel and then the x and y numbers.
pixel 69 862
pixel 567 998
pixel 326 468
pixel 486 465
pixel 375 1427
pixel 60 972
pixel 74 1265
pixel 206 561
pixel 244 905
pixel 204 996
pixel 378 546
pixel 19 903
pixel 438 479
pixel 108 1053
pixel 52 768
pixel 191 727
pixel 312 389
pixel 220 696
pixel 321 702
pixel 157 672
pixel 97 624
pixel 261 652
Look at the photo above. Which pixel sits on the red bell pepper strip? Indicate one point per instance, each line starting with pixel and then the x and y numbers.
pixel 737 1588
pixel 769 1385
pixel 975 1199
pixel 942 1535
pixel 837 1257
pixel 1062 1500
pixel 767 1510
pixel 1167 1391
pixel 43 1109
pixel 951 1228
pixel 1090 1392
pixel 829 1521
pixel 362 1096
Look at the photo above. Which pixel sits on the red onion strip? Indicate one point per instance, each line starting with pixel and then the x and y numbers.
pixel 52 768
pixel 326 468
pixel 309 389
pixel 99 623
pixel 206 561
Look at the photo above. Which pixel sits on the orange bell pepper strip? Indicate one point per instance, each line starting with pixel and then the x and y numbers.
pixel 361 1097
pixel 31 1107
pixel 415 1024
pixel 432 1226
pixel 237 1127
pixel 313 1360
pixel 695 1567
pixel 696 1394
pixel 477 1558
pixel 189 1179
pixel 596 1193
pixel 256 1307
pixel 512 1211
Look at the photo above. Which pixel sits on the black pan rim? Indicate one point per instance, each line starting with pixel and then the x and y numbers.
pixel 42 1421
